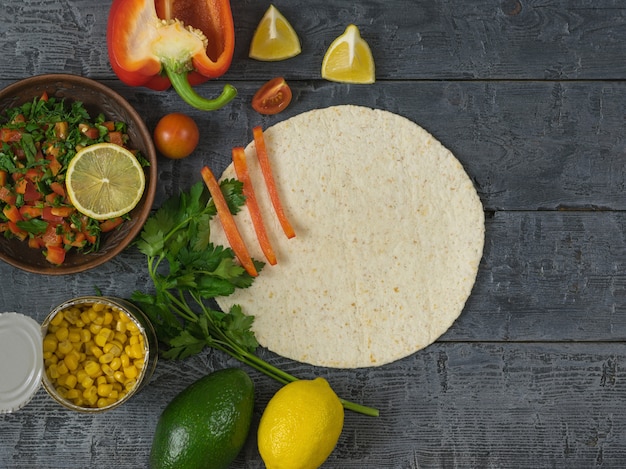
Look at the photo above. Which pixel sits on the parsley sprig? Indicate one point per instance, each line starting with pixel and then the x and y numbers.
pixel 188 272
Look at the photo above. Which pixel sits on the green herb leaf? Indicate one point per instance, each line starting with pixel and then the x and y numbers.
pixel 189 272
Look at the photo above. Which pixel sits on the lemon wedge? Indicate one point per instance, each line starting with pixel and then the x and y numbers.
pixel 349 59
pixel 274 38
pixel 104 181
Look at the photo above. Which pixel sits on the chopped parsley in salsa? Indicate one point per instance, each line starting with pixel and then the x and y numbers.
pixel 38 139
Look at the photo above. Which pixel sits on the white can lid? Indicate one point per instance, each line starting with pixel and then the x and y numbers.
pixel 21 360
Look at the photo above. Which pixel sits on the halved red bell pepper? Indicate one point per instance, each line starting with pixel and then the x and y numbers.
pixel 155 43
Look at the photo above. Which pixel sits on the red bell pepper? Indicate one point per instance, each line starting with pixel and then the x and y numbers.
pixel 158 43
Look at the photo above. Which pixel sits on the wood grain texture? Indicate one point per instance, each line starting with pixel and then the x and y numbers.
pixel 530 96
pixel 411 39
pixel 502 405
pixel 527 145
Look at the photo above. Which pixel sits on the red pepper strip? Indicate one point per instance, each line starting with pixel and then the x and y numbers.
pixel 241 168
pixel 264 162
pixel 146 50
pixel 228 222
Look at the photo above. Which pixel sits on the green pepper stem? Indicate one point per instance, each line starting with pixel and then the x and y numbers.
pixel 185 90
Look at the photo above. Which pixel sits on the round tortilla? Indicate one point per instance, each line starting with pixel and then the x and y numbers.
pixel 389 237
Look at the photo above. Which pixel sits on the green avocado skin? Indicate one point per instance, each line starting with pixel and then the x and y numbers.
pixel 206 425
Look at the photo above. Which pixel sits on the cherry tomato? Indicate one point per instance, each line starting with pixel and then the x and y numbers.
pixel 272 97
pixel 176 136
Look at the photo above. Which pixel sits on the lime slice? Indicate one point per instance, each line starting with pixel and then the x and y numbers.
pixel 104 181
pixel 274 38
pixel 349 59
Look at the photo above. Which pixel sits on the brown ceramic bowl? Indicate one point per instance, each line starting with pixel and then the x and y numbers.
pixel 97 99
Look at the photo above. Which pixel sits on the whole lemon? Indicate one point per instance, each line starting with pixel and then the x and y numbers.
pixel 300 425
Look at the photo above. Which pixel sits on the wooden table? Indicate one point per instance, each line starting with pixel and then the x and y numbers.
pixel 530 96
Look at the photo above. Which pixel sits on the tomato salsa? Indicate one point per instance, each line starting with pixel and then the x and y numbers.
pixel 38 139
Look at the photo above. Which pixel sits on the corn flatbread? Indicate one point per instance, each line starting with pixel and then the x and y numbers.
pixel 389 236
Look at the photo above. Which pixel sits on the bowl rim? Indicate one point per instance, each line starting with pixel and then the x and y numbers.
pixel 149 192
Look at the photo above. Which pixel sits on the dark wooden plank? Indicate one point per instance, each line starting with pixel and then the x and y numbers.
pixel 451 405
pixel 529 95
pixel 515 39
pixel 526 145
pixel 545 276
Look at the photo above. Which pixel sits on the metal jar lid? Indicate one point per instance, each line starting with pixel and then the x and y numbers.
pixel 21 360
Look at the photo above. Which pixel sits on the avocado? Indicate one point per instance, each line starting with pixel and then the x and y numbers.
pixel 206 425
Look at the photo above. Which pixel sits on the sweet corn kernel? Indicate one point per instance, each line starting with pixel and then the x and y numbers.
pixel 104 402
pixel 53 372
pixel 71 360
pixel 104 389
pixel 74 334
pixel 125 359
pixel 57 319
pixel 106 358
pixel 107 370
pixel 120 337
pixel 73 394
pixel 114 347
pixel 131 372
pixel 103 336
pixel 52 360
pixel 90 392
pixel 64 348
pixel 121 327
pixel 96 351
pixel 93 354
pixel 93 369
pixel 68 381
pixel 62 368
pixel 71 315
pixel 81 374
pixel 62 333
pixel 136 351
pixel 108 318
pixel 85 335
pixel 130 384
pixel 50 343
pixel 116 363
pixel 84 316
pixel 87 382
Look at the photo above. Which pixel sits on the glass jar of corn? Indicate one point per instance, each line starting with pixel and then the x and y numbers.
pixel 97 352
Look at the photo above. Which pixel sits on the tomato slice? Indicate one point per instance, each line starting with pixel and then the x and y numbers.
pixel 272 97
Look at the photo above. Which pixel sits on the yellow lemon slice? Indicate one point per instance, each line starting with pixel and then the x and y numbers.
pixel 349 59
pixel 274 38
pixel 104 181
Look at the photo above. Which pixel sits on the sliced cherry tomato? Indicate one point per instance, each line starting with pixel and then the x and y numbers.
pixel 272 97
pixel 176 135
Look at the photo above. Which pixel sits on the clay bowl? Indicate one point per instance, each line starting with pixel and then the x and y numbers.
pixel 97 98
